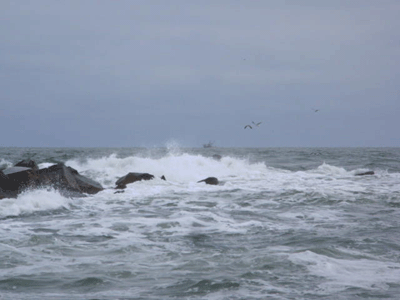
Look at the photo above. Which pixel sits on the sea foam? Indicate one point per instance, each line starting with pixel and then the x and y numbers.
pixel 31 201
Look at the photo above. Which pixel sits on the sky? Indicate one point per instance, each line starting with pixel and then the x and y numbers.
pixel 153 72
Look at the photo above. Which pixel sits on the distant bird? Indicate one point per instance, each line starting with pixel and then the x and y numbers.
pixel 248 126
pixel 257 124
pixel 316 110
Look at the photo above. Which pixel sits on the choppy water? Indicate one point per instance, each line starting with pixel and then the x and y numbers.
pixel 286 224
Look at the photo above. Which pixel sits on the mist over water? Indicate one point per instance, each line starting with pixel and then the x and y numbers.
pixel 290 223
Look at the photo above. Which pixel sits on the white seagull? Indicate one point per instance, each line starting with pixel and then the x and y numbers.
pixel 248 126
pixel 257 124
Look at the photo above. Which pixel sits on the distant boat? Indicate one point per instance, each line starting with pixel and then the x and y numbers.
pixel 208 145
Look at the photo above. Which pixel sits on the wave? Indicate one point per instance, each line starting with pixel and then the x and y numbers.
pixel 342 274
pixel 5 164
pixel 31 201
pixel 176 167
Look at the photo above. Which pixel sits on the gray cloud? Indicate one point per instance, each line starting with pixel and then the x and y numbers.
pixel 123 73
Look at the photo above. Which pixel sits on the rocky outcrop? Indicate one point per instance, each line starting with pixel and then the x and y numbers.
pixel 65 179
pixel 210 180
pixel 132 177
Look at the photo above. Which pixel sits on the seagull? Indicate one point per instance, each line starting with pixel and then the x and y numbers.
pixel 248 126
pixel 316 110
pixel 257 124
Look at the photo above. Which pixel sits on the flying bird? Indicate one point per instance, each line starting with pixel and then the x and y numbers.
pixel 257 124
pixel 248 126
pixel 316 110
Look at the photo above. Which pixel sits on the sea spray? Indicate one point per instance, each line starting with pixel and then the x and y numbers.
pixel 30 201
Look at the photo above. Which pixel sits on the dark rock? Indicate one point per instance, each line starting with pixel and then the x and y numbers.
pixel 58 176
pixel 13 170
pixel 366 173
pixel 163 177
pixel 66 178
pixel 210 180
pixel 28 164
pixel 3 179
pixel 132 177
pixel 16 179
pixel 4 183
pixel 88 185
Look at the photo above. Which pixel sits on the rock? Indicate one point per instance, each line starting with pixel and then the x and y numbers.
pixel 13 170
pixel 132 177
pixel 28 164
pixel 3 183
pixel 3 179
pixel 366 173
pixel 163 177
pixel 3 195
pixel 66 178
pixel 210 180
pixel 58 176
pixel 88 185
pixel 15 179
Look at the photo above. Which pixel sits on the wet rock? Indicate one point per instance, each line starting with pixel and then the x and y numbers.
pixel 210 180
pixel 366 173
pixel 16 179
pixel 3 183
pixel 58 176
pixel 65 179
pixel 132 177
pixel 28 163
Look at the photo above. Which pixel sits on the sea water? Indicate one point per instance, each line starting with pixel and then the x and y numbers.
pixel 284 223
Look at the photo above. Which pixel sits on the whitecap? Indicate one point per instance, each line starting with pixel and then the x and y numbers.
pixel 341 274
pixel 31 201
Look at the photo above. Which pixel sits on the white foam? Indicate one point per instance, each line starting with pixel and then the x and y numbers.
pixel 183 171
pixel 344 273
pixel 4 164
pixel 32 201
pixel 332 170
pixel 176 167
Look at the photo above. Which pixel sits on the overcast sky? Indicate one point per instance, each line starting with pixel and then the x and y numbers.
pixel 147 73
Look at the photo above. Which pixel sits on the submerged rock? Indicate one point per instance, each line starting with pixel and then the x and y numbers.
pixel 210 180
pixel 366 173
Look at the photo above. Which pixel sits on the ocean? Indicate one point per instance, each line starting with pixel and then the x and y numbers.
pixel 284 223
